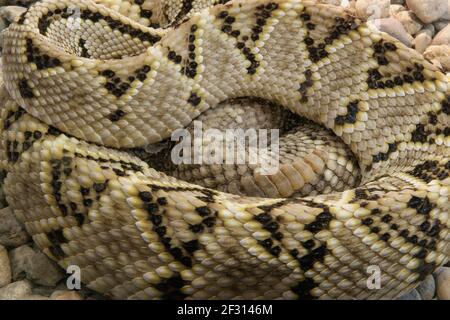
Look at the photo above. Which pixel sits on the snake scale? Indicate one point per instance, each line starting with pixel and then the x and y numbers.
pixel 367 185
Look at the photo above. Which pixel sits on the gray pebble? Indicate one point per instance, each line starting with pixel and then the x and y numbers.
pixel 20 259
pixel 16 290
pixel 422 41
pixel 35 266
pixel 428 11
pixel 443 37
pixel 427 288
pixel 440 54
pixel 11 13
pixel 44 271
pixel 412 295
pixel 395 29
pixel 12 233
pixel 5 268
pixel 429 29
pixel 447 15
pixel 65 295
pixel 372 9
pixel 440 24
pixel 443 283
pixel 409 21
pixel 394 9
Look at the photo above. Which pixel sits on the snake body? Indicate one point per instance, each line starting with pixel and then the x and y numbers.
pixel 82 97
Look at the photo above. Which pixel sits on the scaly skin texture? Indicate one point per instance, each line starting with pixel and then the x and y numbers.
pixel 78 95
pixel 325 162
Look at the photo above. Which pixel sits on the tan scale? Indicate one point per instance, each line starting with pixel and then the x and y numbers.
pixel 367 180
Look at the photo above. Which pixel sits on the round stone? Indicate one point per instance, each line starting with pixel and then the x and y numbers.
pixel 411 295
pixel 422 41
pixel 16 290
pixel 65 295
pixel 5 268
pixel 443 37
pixel 427 288
pixel 372 9
pixel 394 28
pixel 428 11
pixel 409 21
pixel 443 283
pixel 439 54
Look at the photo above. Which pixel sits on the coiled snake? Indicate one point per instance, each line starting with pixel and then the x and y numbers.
pixel 363 182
